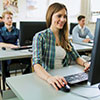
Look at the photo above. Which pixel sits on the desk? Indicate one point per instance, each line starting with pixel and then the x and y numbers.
pixel 83 43
pixel 31 87
pixel 11 54
pixel 81 48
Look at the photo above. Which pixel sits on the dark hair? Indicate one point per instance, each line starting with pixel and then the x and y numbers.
pixel 0 17
pixel 80 17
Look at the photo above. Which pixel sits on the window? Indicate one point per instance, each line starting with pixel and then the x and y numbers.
pixel 95 10
pixel 73 7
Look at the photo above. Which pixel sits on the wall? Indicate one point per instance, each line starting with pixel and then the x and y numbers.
pixel 85 10
pixel 22 16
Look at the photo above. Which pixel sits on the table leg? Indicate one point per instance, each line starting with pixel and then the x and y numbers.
pixel 0 82
pixel 3 64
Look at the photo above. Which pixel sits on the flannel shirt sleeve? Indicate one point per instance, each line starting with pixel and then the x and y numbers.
pixel 74 54
pixel 37 49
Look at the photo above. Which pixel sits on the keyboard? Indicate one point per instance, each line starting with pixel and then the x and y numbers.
pixel 21 48
pixel 76 78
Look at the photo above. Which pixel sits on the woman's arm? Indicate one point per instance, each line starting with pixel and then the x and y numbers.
pixel 53 80
pixel 83 62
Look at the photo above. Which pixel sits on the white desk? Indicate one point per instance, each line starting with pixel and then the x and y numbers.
pixel 11 54
pixel 31 87
pixel 83 43
pixel 81 48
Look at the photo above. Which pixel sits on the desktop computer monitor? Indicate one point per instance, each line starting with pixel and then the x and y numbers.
pixel 28 30
pixel 14 24
pixel 94 73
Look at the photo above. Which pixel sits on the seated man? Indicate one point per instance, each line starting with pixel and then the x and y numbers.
pixel 81 33
pixel 8 37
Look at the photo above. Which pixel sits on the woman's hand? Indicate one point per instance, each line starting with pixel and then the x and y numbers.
pixel 87 66
pixel 83 62
pixel 56 81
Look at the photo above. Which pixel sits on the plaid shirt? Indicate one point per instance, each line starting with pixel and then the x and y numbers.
pixel 44 50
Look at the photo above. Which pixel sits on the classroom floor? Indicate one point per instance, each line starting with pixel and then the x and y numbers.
pixel 12 74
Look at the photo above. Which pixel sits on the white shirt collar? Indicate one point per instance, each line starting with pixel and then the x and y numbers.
pixel 81 27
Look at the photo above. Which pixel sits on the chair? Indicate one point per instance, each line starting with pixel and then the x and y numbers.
pixel 72 25
pixel 1 24
pixel 23 66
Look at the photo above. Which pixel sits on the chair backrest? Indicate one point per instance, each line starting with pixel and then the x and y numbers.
pixel 72 25
pixel 2 24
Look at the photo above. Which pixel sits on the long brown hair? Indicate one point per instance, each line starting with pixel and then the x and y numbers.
pixel 63 36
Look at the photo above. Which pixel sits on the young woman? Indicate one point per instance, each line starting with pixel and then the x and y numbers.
pixel 47 44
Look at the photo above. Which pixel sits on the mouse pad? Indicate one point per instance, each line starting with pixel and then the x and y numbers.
pixel 86 91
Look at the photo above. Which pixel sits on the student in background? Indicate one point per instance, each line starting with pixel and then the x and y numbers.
pixel 48 43
pixel 81 33
pixel 8 38
pixel 8 34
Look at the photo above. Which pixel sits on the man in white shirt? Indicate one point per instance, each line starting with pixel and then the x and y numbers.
pixel 81 33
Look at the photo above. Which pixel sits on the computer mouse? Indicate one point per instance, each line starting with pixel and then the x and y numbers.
pixel 3 48
pixel 66 88
pixel 30 50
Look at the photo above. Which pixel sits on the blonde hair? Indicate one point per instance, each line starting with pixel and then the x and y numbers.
pixel 6 12
pixel 54 8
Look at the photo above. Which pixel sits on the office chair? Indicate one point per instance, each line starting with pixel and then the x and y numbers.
pixel 23 66
pixel 1 24
pixel 72 25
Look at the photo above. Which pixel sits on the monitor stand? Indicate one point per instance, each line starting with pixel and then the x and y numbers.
pixel 99 86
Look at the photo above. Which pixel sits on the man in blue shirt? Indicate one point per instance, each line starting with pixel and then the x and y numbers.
pixel 81 33
pixel 9 36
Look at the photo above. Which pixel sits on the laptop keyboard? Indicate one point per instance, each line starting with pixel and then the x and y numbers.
pixel 21 48
pixel 77 78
